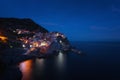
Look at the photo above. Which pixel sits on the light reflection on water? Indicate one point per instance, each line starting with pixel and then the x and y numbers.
pixel 60 61
pixel 40 65
pixel 26 68
pixel 30 69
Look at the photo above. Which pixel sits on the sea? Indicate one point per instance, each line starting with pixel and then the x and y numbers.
pixel 100 62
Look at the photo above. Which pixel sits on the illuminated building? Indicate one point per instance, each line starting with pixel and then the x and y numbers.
pixel 3 39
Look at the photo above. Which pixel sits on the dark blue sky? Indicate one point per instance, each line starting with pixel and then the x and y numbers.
pixel 83 20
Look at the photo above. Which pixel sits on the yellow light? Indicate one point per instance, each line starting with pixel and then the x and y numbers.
pixel 32 49
pixel 35 44
pixel 43 44
pixel 26 68
pixel 26 41
pixel 3 39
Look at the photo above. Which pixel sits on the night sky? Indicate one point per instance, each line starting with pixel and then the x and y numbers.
pixel 79 20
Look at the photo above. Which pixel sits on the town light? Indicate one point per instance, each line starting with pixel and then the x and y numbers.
pixel 30 46
pixel 23 45
pixel 43 44
pixel 3 38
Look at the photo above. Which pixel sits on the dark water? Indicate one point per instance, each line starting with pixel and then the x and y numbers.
pixel 102 62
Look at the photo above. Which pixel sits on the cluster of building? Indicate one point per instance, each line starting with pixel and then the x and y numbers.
pixel 43 41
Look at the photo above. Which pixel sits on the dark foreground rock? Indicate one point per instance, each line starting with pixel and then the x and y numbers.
pixel 9 61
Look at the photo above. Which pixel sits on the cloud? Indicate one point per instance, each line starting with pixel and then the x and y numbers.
pixel 98 28
pixel 52 24
pixel 106 28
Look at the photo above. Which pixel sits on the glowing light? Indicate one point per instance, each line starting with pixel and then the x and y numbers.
pixel 40 64
pixel 60 61
pixel 61 57
pixel 32 49
pixel 26 41
pixel 23 45
pixel 26 68
pixel 30 45
pixel 60 41
pixel 3 38
pixel 35 44
pixel 43 44
pixel 40 41
pixel 63 36
pixel 19 32
pixel 14 31
pixel 57 34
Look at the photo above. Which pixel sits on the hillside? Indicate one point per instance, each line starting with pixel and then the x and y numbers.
pixel 14 28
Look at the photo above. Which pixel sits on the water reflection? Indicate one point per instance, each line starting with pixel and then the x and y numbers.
pixel 26 68
pixel 40 65
pixel 60 61
pixel 40 68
